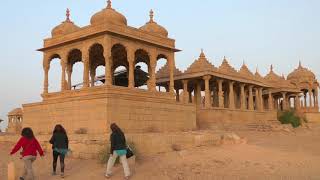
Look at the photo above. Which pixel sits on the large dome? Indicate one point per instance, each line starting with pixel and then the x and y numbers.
pixel 65 27
pixel 154 28
pixel 302 74
pixel 108 16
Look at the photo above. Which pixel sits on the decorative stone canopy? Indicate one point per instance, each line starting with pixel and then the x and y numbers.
pixel 226 68
pixel 65 27
pixel 278 81
pixel 244 71
pixel 153 27
pixel 301 74
pixel 164 72
pixel 16 112
pixel 108 16
pixel 200 65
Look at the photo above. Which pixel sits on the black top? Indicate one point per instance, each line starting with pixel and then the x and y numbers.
pixel 118 141
pixel 59 140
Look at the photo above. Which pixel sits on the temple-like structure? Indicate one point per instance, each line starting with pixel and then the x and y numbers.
pixel 201 96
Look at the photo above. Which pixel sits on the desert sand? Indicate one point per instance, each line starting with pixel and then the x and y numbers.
pixel 266 155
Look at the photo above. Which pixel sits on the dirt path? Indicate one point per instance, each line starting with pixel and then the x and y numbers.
pixel 266 156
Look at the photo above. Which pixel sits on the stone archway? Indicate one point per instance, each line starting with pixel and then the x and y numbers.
pixel 119 59
pixel 74 62
pixel 54 62
pixel 142 69
pixel 96 59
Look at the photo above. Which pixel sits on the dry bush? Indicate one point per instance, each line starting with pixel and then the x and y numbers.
pixel 81 131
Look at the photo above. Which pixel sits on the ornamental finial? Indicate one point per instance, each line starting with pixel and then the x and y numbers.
pixel 202 55
pixel 300 65
pixel 68 15
pixel 271 68
pixel 109 4
pixel 151 15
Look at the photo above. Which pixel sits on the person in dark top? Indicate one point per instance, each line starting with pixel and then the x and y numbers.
pixel 60 146
pixel 118 148
pixel 30 146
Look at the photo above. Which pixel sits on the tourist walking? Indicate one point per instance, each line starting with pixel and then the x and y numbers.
pixel 118 148
pixel 60 146
pixel 30 146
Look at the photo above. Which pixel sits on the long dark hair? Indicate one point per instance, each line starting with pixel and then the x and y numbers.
pixel 59 129
pixel 27 133
pixel 115 128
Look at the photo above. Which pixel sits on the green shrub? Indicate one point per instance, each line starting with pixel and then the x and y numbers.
pixel 289 117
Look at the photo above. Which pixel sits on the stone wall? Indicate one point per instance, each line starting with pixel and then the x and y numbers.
pixel 88 146
pixel 236 119
pixel 134 110
pixel 312 117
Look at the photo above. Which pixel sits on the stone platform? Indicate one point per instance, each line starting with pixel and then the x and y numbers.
pixel 93 109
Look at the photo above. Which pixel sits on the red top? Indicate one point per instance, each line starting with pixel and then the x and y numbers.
pixel 29 146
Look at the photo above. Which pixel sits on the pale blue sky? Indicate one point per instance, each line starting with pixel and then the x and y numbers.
pixel 263 32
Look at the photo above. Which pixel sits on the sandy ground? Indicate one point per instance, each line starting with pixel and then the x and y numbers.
pixel 283 156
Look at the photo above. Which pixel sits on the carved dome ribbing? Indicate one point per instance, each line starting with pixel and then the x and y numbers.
pixel 154 28
pixel 108 16
pixel 65 27
pixel 302 74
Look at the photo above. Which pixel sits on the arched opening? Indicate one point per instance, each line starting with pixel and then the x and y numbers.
pixel 119 65
pixel 54 74
pixel 162 71
pixel 141 75
pixel 96 60
pixel 100 76
pixel 142 69
pixel 120 76
pixel 74 68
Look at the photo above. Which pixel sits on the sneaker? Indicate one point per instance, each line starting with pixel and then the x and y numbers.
pixel 21 178
pixel 108 176
pixel 53 173
pixel 126 178
pixel 62 175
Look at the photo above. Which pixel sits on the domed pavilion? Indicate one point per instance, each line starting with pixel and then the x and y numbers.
pixel 307 83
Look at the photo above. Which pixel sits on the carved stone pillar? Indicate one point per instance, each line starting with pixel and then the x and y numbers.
pixel 220 94
pixel 86 69
pixel 316 103
pixel 108 61
pixel 198 93
pixel 152 72
pixel 69 73
pixel 242 97
pixel 207 91
pixel 92 76
pixel 257 102
pixel 171 69
pixel 185 91
pixel 46 67
pixel 305 100
pixel 131 61
pixel 284 101
pixel 231 95
pixel 270 101
pixel 297 102
pixel 250 105
pixel 63 63
pixel 310 98
pixel 261 99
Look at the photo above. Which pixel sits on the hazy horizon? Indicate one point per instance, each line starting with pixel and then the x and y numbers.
pixel 260 33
